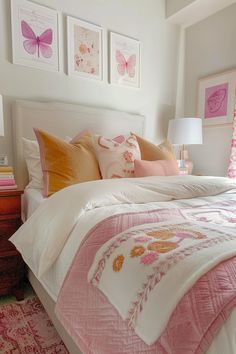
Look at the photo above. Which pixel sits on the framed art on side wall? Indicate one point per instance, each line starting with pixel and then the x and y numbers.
pixel 34 35
pixel 85 49
pixel 216 98
pixel 124 61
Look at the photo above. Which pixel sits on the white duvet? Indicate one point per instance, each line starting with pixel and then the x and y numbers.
pixel 42 238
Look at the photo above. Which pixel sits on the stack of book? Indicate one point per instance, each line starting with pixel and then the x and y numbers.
pixel 7 179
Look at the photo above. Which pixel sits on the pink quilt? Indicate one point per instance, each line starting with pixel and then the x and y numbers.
pixel 95 325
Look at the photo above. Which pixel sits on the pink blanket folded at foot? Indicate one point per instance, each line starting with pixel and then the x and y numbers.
pixel 95 325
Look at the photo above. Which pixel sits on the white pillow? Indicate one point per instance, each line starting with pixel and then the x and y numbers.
pixel 32 158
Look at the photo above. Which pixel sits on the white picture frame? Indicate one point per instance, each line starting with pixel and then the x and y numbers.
pixel 84 49
pixel 125 61
pixel 35 41
pixel 216 98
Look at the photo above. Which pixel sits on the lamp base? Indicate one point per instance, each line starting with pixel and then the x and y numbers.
pixel 187 162
pixel 189 166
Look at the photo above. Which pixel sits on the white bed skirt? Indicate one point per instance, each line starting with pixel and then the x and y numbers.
pixel 49 306
pixel 225 341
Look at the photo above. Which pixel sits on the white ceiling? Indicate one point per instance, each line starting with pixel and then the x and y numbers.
pixel 193 11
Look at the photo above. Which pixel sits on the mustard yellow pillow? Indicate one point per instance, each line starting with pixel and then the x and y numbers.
pixel 64 164
pixel 152 152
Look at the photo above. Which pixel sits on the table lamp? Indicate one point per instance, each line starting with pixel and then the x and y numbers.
pixel 185 131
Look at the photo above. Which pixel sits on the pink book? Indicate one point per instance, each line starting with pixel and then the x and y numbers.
pixel 7 182
pixel 14 186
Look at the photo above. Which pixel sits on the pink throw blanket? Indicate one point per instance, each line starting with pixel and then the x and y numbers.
pixel 95 325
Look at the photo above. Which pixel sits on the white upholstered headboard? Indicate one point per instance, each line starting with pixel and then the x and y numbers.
pixel 63 120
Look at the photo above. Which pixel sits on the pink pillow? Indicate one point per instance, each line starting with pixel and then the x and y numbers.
pixel 116 156
pixel 143 168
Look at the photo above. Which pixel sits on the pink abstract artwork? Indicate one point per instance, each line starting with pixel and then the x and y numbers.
pixel 216 101
pixel 87 47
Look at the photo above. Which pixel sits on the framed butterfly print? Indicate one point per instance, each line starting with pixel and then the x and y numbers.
pixel 85 49
pixel 216 98
pixel 124 61
pixel 34 35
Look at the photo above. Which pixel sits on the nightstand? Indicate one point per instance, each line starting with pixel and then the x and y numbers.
pixel 12 267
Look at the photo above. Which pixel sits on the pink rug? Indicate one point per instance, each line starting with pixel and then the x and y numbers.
pixel 25 328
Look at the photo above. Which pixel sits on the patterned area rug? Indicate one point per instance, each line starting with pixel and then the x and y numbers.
pixel 25 328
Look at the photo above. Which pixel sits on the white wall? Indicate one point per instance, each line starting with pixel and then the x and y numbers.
pixel 144 20
pixel 210 48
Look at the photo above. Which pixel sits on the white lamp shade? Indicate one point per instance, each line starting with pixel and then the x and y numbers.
pixel 185 131
pixel 1 118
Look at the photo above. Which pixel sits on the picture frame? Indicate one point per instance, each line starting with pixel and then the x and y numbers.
pixel 84 49
pixel 216 98
pixel 125 61
pixel 35 40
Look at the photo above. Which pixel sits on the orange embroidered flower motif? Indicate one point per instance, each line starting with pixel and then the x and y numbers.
pixel 162 246
pixel 181 233
pixel 118 263
pixel 162 234
pixel 137 251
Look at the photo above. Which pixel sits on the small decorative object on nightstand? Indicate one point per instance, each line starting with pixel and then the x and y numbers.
pixel 12 268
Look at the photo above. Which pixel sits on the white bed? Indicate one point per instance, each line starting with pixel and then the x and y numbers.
pixel 50 116
pixel 31 200
pixel 54 117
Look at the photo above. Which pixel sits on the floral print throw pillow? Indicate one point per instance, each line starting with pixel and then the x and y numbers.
pixel 116 156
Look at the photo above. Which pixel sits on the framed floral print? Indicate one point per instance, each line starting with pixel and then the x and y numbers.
pixel 124 61
pixel 85 49
pixel 216 98
pixel 34 35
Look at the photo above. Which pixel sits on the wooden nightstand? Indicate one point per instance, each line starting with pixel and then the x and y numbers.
pixel 12 267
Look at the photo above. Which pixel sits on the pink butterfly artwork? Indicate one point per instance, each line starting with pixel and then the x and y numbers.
pixel 37 44
pixel 124 65
pixel 216 101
